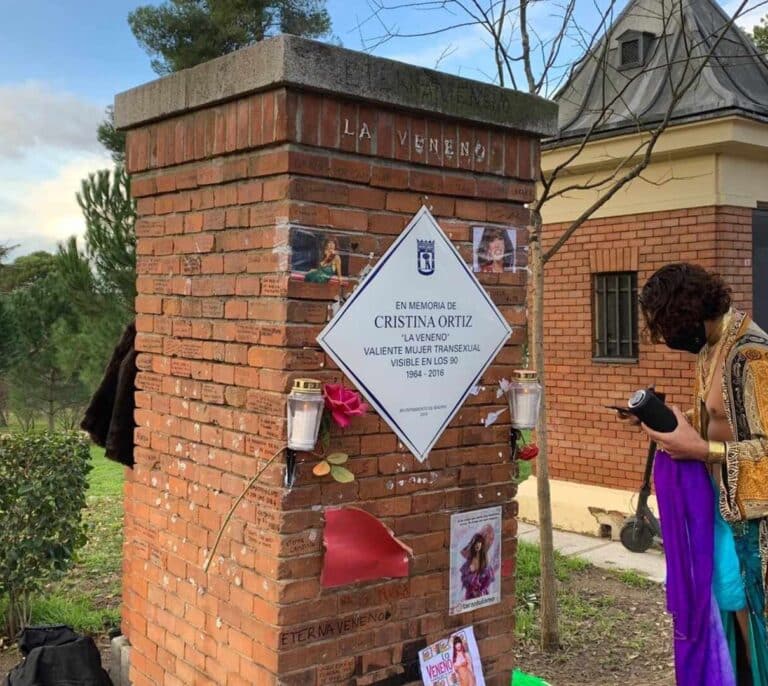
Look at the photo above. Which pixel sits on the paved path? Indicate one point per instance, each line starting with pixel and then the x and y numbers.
pixel 601 552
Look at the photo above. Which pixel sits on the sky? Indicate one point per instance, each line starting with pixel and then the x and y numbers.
pixel 63 62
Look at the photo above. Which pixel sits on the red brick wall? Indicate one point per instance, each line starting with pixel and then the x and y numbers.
pixel 222 334
pixel 587 444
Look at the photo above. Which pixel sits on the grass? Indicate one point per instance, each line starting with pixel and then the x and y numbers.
pixel 88 597
pixel 632 578
pixel 77 611
pixel 106 477
pixel 572 607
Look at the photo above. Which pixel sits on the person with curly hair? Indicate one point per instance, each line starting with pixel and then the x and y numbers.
pixel 689 309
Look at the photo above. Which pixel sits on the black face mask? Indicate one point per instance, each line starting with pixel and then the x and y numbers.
pixel 691 341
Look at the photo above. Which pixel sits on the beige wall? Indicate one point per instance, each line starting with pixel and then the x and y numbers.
pixel 743 181
pixel 720 162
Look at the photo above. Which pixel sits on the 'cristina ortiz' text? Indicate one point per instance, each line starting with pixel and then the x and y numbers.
pixel 422 321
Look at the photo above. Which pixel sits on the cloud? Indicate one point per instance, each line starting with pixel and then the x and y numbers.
pixel 33 116
pixel 36 213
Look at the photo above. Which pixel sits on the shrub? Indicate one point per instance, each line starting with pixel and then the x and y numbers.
pixel 42 494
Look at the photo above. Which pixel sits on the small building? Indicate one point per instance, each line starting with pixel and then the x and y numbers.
pixel 703 198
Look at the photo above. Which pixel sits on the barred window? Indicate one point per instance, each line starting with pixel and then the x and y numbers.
pixel 630 53
pixel 614 313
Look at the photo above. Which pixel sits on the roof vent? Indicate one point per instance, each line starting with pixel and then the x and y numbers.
pixel 634 48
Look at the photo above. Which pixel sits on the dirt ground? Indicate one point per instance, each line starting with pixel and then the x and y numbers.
pixel 628 641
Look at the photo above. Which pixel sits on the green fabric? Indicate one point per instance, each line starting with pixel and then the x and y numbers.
pixel 522 679
pixel 320 275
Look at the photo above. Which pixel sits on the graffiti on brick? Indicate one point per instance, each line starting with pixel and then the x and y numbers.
pixel 337 672
pixel 211 393
pixel 149 382
pixel 248 332
pixel 267 519
pixel 264 497
pixel 212 308
pixel 265 404
pixel 385 594
pixel 192 349
pixel 333 628
pixel 285 546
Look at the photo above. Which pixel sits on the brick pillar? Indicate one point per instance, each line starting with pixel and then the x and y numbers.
pixel 224 158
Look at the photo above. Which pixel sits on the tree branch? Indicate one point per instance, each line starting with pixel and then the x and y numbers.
pixel 656 133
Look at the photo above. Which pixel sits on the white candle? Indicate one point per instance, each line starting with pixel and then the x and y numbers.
pixel 525 410
pixel 303 428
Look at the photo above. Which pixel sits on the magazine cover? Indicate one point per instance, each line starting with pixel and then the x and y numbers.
pixel 475 579
pixel 454 661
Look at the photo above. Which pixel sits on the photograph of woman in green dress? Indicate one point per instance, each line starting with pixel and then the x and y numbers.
pixel 330 264
pixel 318 257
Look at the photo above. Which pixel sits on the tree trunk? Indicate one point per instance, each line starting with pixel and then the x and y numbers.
pixel 550 635
pixel 51 405
pixel 3 403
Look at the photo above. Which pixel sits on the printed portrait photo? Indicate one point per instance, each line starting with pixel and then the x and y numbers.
pixel 318 257
pixel 494 250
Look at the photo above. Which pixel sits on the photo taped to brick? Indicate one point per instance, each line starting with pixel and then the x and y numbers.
pixel 319 256
pixel 494 250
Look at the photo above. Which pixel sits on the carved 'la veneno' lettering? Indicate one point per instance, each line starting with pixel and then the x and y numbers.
pixel 445 147
pixel 364 131
pixel 332 628
pixel 441 147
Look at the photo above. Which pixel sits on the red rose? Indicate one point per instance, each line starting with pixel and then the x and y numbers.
pixel 528 452
pixel 343 403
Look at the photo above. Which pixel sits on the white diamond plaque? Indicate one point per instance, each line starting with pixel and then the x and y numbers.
pixel 417 334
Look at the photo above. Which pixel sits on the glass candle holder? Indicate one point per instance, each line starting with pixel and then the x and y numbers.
pixel 524 397
pixel 305 413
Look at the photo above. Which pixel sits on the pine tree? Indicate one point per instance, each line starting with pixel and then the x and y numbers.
pixel 37 383
pixel 25 270
pixel 112 139
pixel 110 237
pixel 182 33
pixel 101 278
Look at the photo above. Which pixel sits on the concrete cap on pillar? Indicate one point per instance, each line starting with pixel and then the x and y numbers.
pixel 309 65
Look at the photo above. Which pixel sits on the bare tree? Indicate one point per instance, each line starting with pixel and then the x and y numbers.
pixel 528 58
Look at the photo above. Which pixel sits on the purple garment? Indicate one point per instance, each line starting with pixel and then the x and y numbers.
pixel 687 512
pixel 476 584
